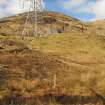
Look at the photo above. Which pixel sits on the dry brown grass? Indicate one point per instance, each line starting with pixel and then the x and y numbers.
pixel 78 59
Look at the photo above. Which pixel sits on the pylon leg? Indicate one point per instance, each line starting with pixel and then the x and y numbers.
pixel 33 18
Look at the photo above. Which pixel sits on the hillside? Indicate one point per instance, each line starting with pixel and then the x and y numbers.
pixel 51 22
pixel 78 61
pixel 77 58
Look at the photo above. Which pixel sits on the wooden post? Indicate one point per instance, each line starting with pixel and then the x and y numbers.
pixel 55 77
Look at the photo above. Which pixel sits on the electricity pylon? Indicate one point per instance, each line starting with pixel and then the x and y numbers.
pixel 33 18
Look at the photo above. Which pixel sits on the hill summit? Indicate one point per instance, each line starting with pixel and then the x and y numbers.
pixel 51 22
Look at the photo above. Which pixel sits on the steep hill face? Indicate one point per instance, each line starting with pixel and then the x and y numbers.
pixel 29 65
pixel 51 22
pixel 76 57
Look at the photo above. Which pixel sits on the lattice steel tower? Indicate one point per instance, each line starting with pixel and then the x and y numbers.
pixel 33 18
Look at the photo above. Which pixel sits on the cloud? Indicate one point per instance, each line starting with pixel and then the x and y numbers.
pixel 78 6
pixel 99 9
pixel 95 7
pixel 72 3
pixel 11 7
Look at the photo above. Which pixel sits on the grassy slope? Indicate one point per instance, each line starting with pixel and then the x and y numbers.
pixel 77 59
pixel 51 21
pixel 84 53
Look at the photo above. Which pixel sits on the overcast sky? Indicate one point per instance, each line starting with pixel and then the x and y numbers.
pixel 82 9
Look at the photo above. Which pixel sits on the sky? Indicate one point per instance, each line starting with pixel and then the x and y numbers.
pixel 85 10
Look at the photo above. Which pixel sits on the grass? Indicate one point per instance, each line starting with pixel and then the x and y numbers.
pixel 69 43
pixel 85 54
pixel 78 57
